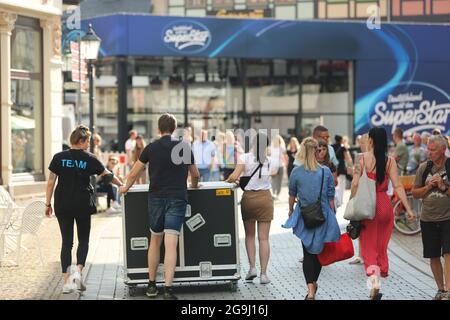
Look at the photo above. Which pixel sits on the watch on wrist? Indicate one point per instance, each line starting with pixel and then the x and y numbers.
pixel 48 205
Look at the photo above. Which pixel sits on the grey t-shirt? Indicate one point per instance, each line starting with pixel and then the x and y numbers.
pixel 401 151
pixel 436 204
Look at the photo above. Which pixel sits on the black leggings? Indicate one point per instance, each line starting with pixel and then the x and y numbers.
pixel 108 188
pixel 311 266
pixel 83 229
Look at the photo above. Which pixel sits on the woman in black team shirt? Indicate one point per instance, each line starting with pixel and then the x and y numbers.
pixel 74 199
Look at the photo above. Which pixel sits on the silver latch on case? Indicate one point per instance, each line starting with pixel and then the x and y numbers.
pixel 205 269
pixel 222 240
pixel 188 211
pixel 195 222
pixel 139 243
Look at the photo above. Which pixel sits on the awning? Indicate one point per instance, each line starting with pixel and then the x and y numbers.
pixel 22 123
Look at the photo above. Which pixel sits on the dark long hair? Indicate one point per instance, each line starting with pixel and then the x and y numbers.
pixel 379 138
pixel 259 145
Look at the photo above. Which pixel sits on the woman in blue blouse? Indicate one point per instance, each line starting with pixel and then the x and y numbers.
pixel 304 187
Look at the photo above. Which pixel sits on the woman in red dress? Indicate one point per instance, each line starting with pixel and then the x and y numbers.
pixel 376 233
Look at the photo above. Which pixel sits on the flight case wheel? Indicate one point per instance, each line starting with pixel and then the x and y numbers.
pixel 233 286
pixel 132 290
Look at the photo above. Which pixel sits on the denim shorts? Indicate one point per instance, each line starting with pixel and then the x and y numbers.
pixel 166 215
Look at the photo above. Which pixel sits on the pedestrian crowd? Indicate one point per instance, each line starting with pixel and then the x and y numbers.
pixel 318 174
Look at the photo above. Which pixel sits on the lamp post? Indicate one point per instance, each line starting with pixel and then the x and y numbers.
pixel 90 44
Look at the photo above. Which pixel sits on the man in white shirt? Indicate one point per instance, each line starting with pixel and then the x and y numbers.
pixel 204 150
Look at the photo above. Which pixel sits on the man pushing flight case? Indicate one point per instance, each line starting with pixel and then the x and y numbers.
pixel 208 248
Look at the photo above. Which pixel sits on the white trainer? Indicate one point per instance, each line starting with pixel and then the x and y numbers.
pixel 78 280
pixel 264 279
pixel 116 205
pixel 111 210
pixel 80 284
pixel 67 288
pixel 251 274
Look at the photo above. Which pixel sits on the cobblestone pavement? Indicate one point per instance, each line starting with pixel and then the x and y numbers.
pixel 409 278
pixel 31 280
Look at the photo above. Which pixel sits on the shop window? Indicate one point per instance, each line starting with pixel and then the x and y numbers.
pixel 26 96
pixel 222 3
pixel 257 3
pixel 413 8
pixel 285 1
pixel 195 4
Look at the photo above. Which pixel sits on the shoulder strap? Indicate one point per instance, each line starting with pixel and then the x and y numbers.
pixel 427 171
pixel 447 168
pixel 363 164
pixel 259 166
pixel 321 184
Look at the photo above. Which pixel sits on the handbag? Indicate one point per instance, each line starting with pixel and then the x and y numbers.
pixel 313 215
pixel 90 200
pixel 362 205
pixel 354 229
pixel 336 251
pixel 244 180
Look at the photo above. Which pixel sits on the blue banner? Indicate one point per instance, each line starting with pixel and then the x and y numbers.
pixel 401 70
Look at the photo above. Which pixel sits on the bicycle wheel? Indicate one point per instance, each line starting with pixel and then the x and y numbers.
pixel 401 223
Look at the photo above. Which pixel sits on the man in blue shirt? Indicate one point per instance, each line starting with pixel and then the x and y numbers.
pixel 204 152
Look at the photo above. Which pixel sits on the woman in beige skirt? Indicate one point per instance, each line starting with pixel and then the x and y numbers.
pixel 256 203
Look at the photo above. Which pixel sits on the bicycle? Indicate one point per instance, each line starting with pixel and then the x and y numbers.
pixel 401 223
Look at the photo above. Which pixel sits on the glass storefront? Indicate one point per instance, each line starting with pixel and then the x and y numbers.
pixel 215 95
pixel 26 96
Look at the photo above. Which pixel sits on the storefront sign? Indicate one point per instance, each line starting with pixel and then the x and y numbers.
pixel 186 36
pixel 421 108
pixel 255 14
pixel 75 65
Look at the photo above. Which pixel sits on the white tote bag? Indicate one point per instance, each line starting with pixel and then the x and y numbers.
pixel 362 205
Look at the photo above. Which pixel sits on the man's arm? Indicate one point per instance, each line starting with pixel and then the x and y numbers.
pixel 116 180
pixel 421 192
pixel 135 171
pixel 195 175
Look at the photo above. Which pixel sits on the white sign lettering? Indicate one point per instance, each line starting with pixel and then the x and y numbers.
pixel 184 36
pixel 403 112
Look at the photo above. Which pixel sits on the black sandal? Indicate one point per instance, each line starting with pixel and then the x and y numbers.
pixel 307 297
pixel 376 295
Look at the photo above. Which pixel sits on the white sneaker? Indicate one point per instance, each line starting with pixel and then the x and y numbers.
pixel 264 279
pixel 80 285
pixel 78 280
pixel 67 288
pixel 251 274
pixel 116 205
pixel 111 210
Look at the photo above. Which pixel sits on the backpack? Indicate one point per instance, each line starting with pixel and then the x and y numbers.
pixel 430 166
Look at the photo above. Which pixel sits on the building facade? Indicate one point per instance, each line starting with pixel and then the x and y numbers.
pixel 391 10
pixel 31 92
pixel 275 90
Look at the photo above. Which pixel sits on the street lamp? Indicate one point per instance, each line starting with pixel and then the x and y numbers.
pixel 90 44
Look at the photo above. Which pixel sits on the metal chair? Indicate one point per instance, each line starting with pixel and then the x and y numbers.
pixel 32 217
pixel 6 199
pixel 5 218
